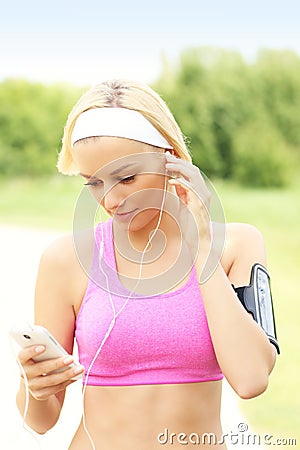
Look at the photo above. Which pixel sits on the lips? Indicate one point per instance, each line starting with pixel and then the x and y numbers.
pixel 126 216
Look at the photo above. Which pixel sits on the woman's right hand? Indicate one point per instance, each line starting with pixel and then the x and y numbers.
pixel 41 382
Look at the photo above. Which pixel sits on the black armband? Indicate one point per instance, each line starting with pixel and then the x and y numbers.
pixel 257 300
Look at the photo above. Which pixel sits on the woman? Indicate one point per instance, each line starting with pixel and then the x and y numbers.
pixel 154 312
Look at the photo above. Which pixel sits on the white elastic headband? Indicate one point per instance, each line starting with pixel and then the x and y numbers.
pixel 117 122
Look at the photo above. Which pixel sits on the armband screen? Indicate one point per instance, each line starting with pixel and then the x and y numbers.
pixel 257 300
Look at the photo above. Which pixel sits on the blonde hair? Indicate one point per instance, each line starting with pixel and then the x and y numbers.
pixel 123 94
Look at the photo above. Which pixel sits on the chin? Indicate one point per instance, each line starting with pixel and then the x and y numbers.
pixel 143 220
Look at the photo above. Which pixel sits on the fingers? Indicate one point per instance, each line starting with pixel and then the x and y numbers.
pixel 181 182
pixel 176 169
pixel 43 386
pixel 186 171
pixel 182 189
pixel 188 177
pixel 28 353
pixel 44 393
pixel 42 382
pixel 181 163
pixel 48 366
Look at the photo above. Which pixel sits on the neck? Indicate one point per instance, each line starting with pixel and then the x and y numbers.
pixel 140 238
pixel 168 228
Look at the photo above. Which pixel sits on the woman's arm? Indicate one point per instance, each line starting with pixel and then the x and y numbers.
pixel 58 287
pixel 243 350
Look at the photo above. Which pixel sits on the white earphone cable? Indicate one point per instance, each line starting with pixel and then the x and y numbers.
pixel 113 321
pixel 107 334
pixel 24 376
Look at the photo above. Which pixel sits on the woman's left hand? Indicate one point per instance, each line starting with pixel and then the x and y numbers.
pixel 195 198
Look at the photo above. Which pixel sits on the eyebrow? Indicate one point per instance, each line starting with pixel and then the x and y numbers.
pixel 114 172
pixel 86 176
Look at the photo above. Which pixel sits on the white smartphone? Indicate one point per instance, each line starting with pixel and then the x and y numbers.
pixel 29 335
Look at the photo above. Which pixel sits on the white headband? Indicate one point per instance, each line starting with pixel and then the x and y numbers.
pixel 117 122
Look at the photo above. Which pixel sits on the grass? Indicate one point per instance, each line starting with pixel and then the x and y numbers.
pixel 46 203
pixel 49 204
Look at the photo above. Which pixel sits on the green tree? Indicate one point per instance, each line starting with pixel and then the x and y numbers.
pixel 261 156
pixel 32 117
pixel 226 107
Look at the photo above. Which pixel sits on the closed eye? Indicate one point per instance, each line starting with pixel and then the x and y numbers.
pixel 94 183
pixel 97 183
pixel 127 180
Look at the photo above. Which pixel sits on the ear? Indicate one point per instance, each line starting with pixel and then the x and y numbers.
pixel 181 190
pixel 172 151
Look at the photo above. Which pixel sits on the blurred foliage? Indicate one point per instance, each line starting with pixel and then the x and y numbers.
pixel 32 118
pixel 241 119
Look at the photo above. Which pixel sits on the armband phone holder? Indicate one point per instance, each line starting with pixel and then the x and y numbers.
pixel 257 300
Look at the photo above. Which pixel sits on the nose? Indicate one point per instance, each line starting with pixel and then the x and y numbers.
pixel 113 198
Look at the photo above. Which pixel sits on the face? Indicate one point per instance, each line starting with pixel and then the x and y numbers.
pixel 126 177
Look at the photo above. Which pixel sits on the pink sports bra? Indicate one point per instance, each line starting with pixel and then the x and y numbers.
pixel 157 339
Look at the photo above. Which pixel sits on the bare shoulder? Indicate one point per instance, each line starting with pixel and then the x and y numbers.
pixel 244 247
pixel 66 252
pixel 60 254
pixel 244 234
pixel 61 271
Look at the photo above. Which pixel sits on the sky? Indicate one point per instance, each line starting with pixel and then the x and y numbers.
pixel 84 42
